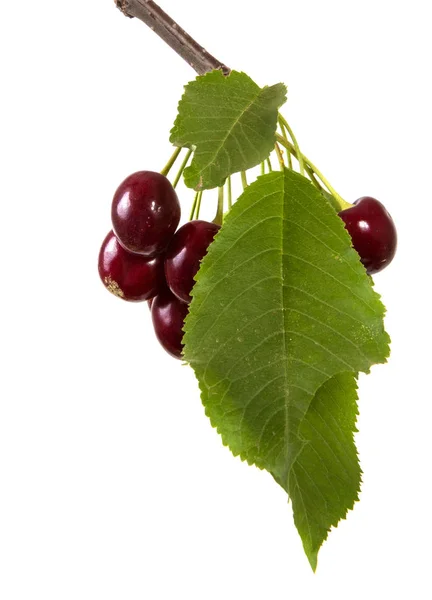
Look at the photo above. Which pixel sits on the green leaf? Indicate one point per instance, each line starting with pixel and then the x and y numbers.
pixel 231 123
pixel 331 199
pixel 328 453
pixel 283 317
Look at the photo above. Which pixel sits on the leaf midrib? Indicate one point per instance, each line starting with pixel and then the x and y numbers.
pixel 223 141
pixel 284 328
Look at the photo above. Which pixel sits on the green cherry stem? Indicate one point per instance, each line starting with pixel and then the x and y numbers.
pixel 268 161
pixel 192 213
pixel 289 157
pixel 313 178
pixel 167 167
pixel 218 220
pixel 280 157
pixel 229 193
pixel 198 208
pixel 243 179
pixel 290 164
pixel 283 123
pixel 182 168
pixel 342 203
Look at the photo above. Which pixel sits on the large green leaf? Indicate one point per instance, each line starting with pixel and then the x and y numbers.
pixel 231 123
pixel 282 307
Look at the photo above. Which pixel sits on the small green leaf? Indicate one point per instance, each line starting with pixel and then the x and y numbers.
pixel 231 123
pixel 283 317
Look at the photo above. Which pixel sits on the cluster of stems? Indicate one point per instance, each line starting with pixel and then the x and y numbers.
pixel 286 139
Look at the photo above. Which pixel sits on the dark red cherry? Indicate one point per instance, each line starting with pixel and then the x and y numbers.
pixel 145 212
pixel 184 254
pixel 129 276
pixel 168 315
pixel 372 231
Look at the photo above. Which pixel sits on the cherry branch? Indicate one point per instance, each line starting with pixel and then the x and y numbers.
pixel 166 28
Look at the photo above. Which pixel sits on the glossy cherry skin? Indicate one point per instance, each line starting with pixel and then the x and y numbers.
pixel 129 276
pixel 184 254
pixel 168 315
pixel 145 213
pixel 372 231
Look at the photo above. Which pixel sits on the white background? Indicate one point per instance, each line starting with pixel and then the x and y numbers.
pixel 113 485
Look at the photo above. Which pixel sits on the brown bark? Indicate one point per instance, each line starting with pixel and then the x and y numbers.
pixel 166 28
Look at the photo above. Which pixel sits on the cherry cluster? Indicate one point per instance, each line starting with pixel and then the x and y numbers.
pixel 145 256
